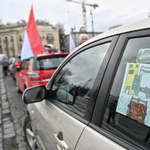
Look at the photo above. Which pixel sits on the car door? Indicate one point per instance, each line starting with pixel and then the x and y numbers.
pixel 121 115
pixel 24 74
pixel 60 120
pixel 18 76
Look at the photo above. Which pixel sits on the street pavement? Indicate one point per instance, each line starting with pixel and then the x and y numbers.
pixel 12 114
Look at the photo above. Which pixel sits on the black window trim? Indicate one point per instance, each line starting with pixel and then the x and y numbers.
pixel 103 94
pixel 99 78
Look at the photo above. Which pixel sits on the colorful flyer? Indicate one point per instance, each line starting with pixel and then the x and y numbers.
pixel 134 98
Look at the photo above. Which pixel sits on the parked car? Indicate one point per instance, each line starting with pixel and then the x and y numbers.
pixel 37 72
pixel 11 63
pixel 91 101
pixel 16 63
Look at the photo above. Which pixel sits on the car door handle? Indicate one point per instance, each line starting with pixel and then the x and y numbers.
pixel 61 144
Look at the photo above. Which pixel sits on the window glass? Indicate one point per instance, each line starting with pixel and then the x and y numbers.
pixel 22 65
pixel 73 84
pixel 26 65
pixel 49 36
pixel 50 42
pixel 128 109
pixel 47 63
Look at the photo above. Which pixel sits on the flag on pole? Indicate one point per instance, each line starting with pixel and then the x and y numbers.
pixel 71 45
pixel 32 44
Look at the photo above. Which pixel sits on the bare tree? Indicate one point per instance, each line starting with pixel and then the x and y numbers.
pixel 61 31
pixel 60 28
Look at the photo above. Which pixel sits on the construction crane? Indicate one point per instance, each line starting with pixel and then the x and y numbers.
pixel 84 10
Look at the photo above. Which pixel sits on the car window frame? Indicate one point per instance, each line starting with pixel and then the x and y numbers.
pixel 26 65
pixel 107 82
pixel 22 65
pixel 98 79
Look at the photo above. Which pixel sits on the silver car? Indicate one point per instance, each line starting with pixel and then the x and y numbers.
pixel 98 98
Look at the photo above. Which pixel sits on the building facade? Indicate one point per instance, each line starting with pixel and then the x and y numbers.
pixel 11 37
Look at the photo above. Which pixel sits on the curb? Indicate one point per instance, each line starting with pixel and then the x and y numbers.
pixel 7 132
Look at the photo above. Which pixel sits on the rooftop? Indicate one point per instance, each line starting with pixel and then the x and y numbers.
pixel 24 23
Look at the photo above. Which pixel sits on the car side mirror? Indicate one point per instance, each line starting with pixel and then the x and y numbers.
pixel 34 94
pixel 65 97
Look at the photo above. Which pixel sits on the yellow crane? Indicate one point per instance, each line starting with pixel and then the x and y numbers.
pixel 84 10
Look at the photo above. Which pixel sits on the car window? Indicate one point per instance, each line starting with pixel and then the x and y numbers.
pixel 73 84
pixel 22 65
pixel 26 65
pixel 47 63
pixel 127 114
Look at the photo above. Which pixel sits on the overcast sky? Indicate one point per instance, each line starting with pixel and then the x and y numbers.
pixel 109 12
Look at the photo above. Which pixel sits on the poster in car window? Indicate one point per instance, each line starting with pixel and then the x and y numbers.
pixel 134 98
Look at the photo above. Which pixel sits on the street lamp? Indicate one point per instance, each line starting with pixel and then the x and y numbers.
pixel 92 22
pixel 94 5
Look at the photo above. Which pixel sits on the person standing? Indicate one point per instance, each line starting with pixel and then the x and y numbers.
pixel 5 65
pixel 83 38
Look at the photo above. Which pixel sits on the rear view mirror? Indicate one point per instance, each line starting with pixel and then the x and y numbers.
pixel 65 97
pixel 34 94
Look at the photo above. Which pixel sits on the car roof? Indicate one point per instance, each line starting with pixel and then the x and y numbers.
pixel 143 24
pixel 48 55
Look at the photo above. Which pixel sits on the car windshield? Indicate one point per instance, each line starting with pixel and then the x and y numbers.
pixel 47 63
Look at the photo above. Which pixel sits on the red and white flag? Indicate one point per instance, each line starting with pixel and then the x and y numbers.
pixel 32 44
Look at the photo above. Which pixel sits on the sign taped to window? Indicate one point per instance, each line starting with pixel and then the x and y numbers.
pixel 134 98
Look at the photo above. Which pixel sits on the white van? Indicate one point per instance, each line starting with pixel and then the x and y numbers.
pixel 94 100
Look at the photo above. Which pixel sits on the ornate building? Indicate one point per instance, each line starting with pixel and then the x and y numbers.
pixel 11 36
